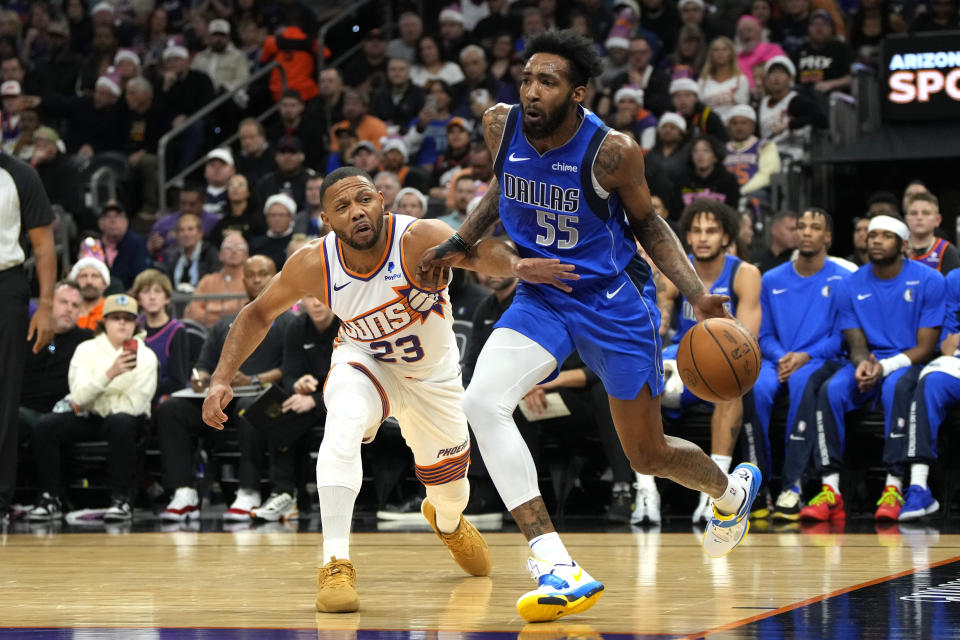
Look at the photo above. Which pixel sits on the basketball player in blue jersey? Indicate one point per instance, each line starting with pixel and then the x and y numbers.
pixel 937 391
pixel 569 188
pixel 801 349
pixel 709 228
pixel 395 355
pixel 890 312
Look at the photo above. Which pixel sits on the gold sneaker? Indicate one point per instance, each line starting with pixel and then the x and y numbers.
pixel 466 545
pixel 336 592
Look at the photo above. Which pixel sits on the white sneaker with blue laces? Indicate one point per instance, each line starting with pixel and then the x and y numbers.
pixel 724 532
pixel 562 589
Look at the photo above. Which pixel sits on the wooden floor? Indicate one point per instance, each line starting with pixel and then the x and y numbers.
pixel 655 583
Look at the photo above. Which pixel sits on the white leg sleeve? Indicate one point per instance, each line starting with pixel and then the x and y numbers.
pixel 509 365
pixel 449 500
pixel 353 407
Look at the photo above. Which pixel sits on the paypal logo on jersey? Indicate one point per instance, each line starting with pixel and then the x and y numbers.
pixel 390 274
pixel 540 194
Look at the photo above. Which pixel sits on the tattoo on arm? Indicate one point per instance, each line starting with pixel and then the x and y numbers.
pixel 857 345
pixel 609 158
pixel 664 248
pixel 484 216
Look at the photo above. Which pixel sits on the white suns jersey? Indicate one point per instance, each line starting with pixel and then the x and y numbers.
pixel 385 315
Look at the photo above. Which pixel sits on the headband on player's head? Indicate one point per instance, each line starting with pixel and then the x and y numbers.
pixel 891 224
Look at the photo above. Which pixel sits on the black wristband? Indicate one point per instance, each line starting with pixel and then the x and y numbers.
pixel 460 243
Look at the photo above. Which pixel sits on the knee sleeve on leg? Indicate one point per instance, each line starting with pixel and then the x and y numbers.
pixel 350 412
pixel 449 500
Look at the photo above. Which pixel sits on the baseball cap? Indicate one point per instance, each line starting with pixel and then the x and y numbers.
pixel 375 34
pixel 365 144
pixel 120 303
pixel 219 26
pixel 289 143
pixel 823 14
pixel 10 88
pixel 459 122
pixel 111 205
pixel 344 128
pixel 220 153
pixel 396 144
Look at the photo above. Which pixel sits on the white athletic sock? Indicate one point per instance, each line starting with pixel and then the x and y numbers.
pixel 722 461
pixel 336 513
pixel 549 548
pixel 732 498
pixel 894 481
pixel 832 480
pixel 918 474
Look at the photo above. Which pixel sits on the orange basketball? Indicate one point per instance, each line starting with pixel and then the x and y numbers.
pixel 718 359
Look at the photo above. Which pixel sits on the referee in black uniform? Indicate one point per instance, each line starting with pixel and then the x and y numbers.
pixel 24 208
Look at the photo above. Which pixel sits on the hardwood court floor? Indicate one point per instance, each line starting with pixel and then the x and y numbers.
pixel 656 583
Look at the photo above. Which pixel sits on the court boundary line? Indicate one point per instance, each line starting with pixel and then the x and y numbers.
pixel 815 599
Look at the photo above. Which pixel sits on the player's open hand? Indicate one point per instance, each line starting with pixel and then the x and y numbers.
pixel 546 271
pixel 435 263
pixel 218 397
pixel 710 305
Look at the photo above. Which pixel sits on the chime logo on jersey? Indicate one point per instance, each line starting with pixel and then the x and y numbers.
pixel 410 305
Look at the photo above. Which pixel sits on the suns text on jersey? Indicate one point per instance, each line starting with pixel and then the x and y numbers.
pixel 389 318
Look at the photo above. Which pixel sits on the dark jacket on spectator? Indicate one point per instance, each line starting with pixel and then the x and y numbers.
pixel 656 95
pixel 185 96
pixel 721 185
pixel 45 373
pixel 132 258
pixel 268 354
pixel 399 113
pixel 142 131
pixel 207 262
pixel 309 133
pixel 299 360
pixel 485 317
pixel 294 186
pixel 256 167
pixel 85 123
pixel 273 248
pixel 58 76
pixel 61 180
pixel 706 121
pixel 251 223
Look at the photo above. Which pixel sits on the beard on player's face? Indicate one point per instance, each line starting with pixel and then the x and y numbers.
pixel 549 120
pixel 374 222
pixel 713 255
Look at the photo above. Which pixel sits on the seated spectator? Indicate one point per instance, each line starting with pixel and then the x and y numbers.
pixel 24 145
pixel 801 349
pixel 291 175
pixel 452 32
pixel 410 28
pixel 280 210
pixel 111 388
pixel 127 65
pixel 163 235
pixel 14 103
pixel 142 125
pixel 256 158
pixel 615 63
pixel 166 336
pixel 221 61
pixel 476 72
pixel 753 52
pixel 242 212
pixel 45 372
pixel 366 126
pixel 364 155
pixel 709 227
pixel 395 157
pixel 824 61
pixel 125 251
pixel 700 119
pixel 367 71
pixel 57 75
pixel 890 313
pixel 411 202
pixel 942 16
pixel 631 118
pixel 330 100
pixel 388 184
pixel 296 53
pixel 722 84
pixel 707 176
pixel 346 137
pixel 93 278
pixel 859 256
pixel 217 171
pixel 783 240
pixel 695 13
pixel 59 174
pixel 641 73
pixel 178 419
pixel 463 194
pixel 427 135
pixel 884 203
pixel 430 64
pixel 307 347
pixel 687 59
pixel 923 218
pixel 293 122
pixel 481 169
pixel 787 117
pixel 454 158
pixel 310 219
pixel 794 26
pixel 750 160
pixel 399 100
pixel 669 152
pixel 183 92
pixel 192 258
pixel 229 280
pixel 871 22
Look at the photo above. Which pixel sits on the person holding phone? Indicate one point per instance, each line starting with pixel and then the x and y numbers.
pixel 112 380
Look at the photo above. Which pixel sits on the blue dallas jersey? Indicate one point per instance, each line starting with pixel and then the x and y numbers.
pixel 890 311
pixel 550 207
pixel 799 313
pixel 722 286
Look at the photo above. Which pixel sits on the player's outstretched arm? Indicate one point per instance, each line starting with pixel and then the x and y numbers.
pixel 619 167
pixel 253 322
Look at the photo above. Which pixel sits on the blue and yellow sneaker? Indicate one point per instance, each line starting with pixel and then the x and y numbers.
pixel 724 533
pixel 562 589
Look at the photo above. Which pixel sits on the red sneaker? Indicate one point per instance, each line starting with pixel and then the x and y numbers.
pixel 825 506
pixel 888 506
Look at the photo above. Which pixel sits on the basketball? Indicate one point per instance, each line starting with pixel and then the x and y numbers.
pixel 718 360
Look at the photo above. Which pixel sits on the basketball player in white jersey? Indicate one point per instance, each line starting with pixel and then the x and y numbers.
pixel 396 355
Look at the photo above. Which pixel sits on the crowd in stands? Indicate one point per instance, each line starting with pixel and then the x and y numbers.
pixel 722 97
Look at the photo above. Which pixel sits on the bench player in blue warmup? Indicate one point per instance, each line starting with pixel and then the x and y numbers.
pixel 569 188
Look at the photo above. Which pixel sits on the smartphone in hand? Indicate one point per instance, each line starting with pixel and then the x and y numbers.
pixel 130 345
